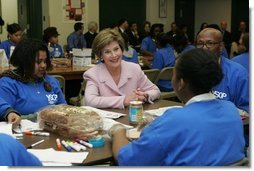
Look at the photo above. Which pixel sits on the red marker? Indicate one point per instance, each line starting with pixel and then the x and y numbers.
pixel 58 144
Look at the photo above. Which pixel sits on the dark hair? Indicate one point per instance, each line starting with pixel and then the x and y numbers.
pixel 179 41
pixel 200 68
pixel 24 56
pixel 202 26
pixel 154 26
pixel 163 39
pixel 78 26
pixel 121 21
pixel 126 40
pixel 13 28
pixel 215 26
pixel 49 32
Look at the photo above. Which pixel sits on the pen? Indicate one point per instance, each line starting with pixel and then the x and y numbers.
pixel 58 144
pixel 84 143
pixel 68 148
pixel 75 147
pixel 37 133
pixel 37 143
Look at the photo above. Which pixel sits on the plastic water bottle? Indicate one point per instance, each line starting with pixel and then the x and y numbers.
pixel 57 53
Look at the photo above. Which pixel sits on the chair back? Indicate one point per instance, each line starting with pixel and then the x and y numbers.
pixel 152 74
pixel 77 101
pixel 61 81
pixel 165 74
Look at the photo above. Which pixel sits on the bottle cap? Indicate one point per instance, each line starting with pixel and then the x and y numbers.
pixel 97 142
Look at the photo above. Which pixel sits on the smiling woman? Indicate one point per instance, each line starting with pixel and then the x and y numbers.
pixel 113 83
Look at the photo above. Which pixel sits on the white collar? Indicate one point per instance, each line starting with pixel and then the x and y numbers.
pixel 201 97
pixel 91 32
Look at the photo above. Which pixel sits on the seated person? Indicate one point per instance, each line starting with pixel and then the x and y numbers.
pixel 129 53
pixel 163 57
pixel 113 83
pixel 27 88
pixel 243 58
pixel 91 33
pixel 14 37
pixel 13 153
pixel 50 37
pixel 205 132
pixel 76 39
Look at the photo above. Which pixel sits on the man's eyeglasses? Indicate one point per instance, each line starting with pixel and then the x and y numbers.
pixel 207 44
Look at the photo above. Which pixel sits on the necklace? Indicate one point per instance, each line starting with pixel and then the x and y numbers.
pixel 36 88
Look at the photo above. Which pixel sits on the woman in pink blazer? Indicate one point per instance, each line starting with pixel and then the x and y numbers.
pixel 113 83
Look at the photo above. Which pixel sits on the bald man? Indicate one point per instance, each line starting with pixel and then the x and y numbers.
pixel 226 35
pixel 234 86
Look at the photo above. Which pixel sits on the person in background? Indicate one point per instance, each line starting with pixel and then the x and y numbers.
pixel 50 37
pixel 180 43
pixel 27 88
pixel 204 132
pixel 226 35
pixel 13 38
pixel 129 53
pixel 163 57
pixel 113 83
pixel 123 25
pixel 91 33
pixel 76 39
pixel 243 58
pixel 145 30
pixel 1 21
pixel 134 36
pixel 234 86
pixel 13 153
pixel 236 37
pixel 174 29
pixel 203 26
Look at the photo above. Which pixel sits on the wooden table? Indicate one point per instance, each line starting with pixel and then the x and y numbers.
pixel 96 155
pixel 70 73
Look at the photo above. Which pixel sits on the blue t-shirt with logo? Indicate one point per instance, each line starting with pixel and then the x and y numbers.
pixel 234 86
pixel 28 98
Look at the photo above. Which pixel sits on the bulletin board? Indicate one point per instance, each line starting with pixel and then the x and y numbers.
pixel 73 10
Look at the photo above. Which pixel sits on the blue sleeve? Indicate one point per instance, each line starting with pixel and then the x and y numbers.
pixel 70 42
pixel 242 92
pixel 61 51
pixel 13 153
pixel 8 91
pixel 144 44
pixel 3 107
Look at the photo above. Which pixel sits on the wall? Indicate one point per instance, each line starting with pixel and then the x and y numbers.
pixel 152 13
pixel 9 15
pixel 212 12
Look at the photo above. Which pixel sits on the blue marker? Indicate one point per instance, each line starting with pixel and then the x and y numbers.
pixel 68 148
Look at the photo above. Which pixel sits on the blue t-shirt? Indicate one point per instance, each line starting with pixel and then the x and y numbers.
pixel 53 52
pixel 28 98
pixel 133 58
pixel 13 153
pixel 164 57
pixel 75 40
pixel 234 86
pixel 243 59
pixel 6 45
pixel 148 44
pixel 205 133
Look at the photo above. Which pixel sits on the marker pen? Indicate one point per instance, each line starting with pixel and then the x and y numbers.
pixel 84 143
pixel 58 144
pixel 37 133
pixel 68 148
pixel 37 143
pixel 81 146
pixel 75 147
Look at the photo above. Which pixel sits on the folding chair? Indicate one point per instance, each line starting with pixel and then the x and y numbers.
pixel 152 74
pixel 61 81
pixel 166 74
pixel 76 101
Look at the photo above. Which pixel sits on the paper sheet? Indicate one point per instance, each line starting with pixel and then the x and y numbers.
pixel 104 113
pixel 6 128
pixel 50 156
pixel 160 111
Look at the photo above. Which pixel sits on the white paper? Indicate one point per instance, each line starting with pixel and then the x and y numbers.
pixel 160 111
pixel 6 128
pixel 50 156
pixel 27 125
pixel 104 113
pixel 87 52
pixel 108 123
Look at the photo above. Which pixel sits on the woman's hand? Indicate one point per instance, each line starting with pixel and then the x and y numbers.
pixel 141 95
pixel 13 118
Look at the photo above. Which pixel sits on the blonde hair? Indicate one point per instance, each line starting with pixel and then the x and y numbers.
pixel 104 38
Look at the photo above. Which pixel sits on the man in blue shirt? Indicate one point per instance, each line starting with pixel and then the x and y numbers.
pixel 76 39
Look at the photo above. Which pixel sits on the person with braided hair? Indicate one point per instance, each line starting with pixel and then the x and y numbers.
pixel 204 132
pixel 27 88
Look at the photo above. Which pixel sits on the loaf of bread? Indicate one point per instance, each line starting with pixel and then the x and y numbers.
pixel 70 121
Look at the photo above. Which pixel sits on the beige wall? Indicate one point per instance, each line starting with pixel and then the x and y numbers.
pixel 212 12
pixel 152 13
pixel 9 15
